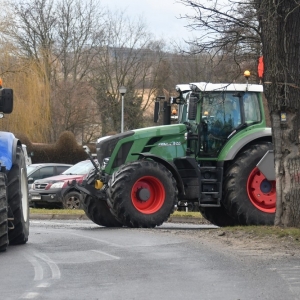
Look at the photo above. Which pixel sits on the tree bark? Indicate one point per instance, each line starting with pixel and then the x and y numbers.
pixel 280 22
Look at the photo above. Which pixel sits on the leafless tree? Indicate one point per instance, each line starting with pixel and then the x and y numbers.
pixel 279 21
pixel 131 58
pixel 79 31
pixel 228 31
pixel 33 30
pixel 60 37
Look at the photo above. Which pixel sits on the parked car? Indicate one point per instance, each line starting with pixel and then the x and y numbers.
pixel 48 192
pixel 44 170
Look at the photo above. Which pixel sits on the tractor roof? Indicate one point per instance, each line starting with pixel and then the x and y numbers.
pixel 209 87
pixel 183 88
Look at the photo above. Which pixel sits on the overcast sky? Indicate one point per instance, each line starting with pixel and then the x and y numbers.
pixel 161 16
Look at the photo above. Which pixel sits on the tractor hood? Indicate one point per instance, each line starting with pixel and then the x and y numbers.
pixel 164 130
pixel 167 142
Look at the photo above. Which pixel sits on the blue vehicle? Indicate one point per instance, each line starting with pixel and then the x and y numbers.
pixel 14 204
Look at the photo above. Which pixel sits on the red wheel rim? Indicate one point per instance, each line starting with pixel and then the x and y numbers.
pixel 261 192
pixel 148 195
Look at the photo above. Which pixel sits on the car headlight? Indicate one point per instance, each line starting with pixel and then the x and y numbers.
pixel 57 185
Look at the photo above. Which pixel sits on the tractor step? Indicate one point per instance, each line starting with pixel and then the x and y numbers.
pixel 209 199
pixel 211 186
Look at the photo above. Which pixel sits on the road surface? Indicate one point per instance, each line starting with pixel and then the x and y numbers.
pixel 76 259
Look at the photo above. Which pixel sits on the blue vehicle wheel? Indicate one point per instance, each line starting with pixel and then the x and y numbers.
pixel 3 214
pixel 17 192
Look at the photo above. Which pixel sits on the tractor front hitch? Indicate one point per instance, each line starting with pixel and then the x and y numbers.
pixel 85 188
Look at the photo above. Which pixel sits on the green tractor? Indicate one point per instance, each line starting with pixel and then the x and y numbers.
pixel 218 154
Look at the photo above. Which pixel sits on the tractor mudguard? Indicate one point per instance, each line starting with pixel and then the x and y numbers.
pixel 267 165
pixel 169 166
pixel 8 148
pixel 229 152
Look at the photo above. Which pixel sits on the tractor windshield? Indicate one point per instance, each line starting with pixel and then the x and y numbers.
pixel 223 113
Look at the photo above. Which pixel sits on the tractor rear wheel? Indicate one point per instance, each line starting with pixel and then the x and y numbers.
pixel 3 214
pixel 142 194
pixel 98 212
pixel 18 201
pixel 248 196
pixel 217 216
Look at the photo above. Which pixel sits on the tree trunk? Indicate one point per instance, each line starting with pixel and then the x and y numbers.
pixel 280 22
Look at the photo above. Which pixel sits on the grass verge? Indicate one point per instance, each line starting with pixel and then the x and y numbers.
pixel 263 231
pixel 56 211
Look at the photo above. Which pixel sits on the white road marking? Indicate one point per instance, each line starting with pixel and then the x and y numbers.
pixel 112 256
pixel 38 270
pixel 99 240
pixel 30 295
pixel 53 266
pixel 44 285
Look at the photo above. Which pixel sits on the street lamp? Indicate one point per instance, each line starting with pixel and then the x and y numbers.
pixel 122 91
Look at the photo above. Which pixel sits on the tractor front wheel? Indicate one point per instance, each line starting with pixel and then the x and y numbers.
pixel 98 212
pixel 142 194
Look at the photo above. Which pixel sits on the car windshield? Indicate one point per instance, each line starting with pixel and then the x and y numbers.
pixel 80 168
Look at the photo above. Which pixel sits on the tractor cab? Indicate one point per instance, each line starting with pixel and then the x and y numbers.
pixel 217 112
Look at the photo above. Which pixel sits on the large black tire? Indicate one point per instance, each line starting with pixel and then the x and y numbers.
pixel 142 194
pixel 98 212
pixel 3 213
pixel 217 216
pixel 18 201
pixel 248 196
pixel 72 200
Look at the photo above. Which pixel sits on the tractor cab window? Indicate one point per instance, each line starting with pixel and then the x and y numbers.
pixel 221 114
pixel 251 108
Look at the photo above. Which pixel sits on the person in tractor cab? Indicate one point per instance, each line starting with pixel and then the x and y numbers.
pixel 231 114
pixel 221 117
pixel 226 119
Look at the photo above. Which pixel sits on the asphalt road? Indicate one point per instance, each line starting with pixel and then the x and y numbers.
pixel 76 259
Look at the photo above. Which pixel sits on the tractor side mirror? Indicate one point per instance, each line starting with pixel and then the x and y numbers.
pixel 156 111
pixel 87 150
pixel 192 113
pixel 157 107
pixel 6 101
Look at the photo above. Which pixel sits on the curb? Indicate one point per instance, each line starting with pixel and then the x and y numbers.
pixel 84 217
pixel 57 217
pixel 193 220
